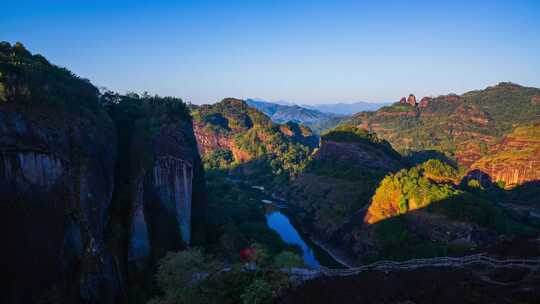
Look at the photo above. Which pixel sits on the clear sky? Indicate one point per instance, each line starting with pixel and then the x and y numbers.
pixel 301 51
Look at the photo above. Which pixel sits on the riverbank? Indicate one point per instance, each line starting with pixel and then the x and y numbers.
pixel 333 252
pixel 324 253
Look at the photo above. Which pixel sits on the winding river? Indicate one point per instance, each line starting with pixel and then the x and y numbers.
pixel 279 220
pixel 282 225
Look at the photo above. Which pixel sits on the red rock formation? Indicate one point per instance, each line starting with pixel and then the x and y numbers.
pixel 424 102
pixel 515 160
pixel 535 100
pixel 411 100
pixel 210 141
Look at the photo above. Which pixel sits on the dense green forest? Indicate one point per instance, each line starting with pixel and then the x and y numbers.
pixel 255 146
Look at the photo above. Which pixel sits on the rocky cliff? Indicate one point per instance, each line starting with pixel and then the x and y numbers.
pixel 88 182
pixel 515 159
pixel 57 156
pixel 162 189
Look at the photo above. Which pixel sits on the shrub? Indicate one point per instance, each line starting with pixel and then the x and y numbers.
pixel 258 292
pixel 180 275
pixel 287 259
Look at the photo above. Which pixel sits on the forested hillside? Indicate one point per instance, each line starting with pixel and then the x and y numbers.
pixel 462 127
pixel 232 135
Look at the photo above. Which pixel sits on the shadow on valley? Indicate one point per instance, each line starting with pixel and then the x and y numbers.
pixel 418 157
pixel 422 219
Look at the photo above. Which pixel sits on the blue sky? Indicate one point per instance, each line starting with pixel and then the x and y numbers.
pixel 301 51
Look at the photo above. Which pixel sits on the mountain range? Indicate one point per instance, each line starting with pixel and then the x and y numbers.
pixel 107 198
pixel 280 113
pixel 347 108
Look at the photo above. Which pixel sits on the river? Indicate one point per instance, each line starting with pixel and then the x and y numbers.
pixel 281 224
pixel 279 220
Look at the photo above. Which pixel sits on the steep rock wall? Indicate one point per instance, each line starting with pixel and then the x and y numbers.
pixel 56 183
pixel 163 191
pixel 208 141
pixel 515 160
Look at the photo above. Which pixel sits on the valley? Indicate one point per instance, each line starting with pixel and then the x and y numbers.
pixel 128 198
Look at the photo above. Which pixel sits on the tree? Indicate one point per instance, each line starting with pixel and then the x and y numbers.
pixel 180 276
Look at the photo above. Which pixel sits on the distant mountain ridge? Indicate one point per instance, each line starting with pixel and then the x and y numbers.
pixel 342 108
pixel 281 113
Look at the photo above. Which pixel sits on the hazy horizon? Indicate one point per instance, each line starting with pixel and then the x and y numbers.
pixel 306 52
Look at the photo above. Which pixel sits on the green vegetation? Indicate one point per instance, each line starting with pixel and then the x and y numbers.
pixel 455 125
pixel 177 276
pixel 288 259
pixel 398 107
pixel 262 149
pixel 411 189
pixel 396 242
pixel 30 79
pixel 350 133
pixel 191 276
pixel 137 119
pixel 343 169
pixel 218 159
pixel 440 171
pixel 285 156
pixel 404 191
pixel 236 221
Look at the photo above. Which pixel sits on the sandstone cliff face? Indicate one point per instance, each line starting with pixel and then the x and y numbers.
pixel 208 141
pixel 162 191
pixel 411 100
pixel 56 183
pixel 515 160
pixel 424 102
pixel 67 156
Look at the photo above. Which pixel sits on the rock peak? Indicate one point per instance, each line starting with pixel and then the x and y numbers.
pixel 424 101
pixel 411 100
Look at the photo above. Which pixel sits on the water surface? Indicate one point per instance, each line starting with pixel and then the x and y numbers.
pixel 282 225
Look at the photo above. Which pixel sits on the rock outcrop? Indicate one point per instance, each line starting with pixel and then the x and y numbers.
pixel 162 190
pixel 56 182
pixel 208 141
pixel 424 102
pixel 57 156
pixel 411 100
pixel 77 170
pixel 515 160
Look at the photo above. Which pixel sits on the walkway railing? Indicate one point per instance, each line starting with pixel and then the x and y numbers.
pixel 532 264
